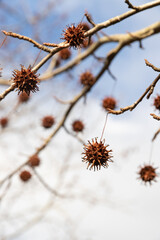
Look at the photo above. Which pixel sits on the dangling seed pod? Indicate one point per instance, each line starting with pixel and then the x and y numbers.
pixel 65 54
pixel 74 35
pixel 109 102
pixel 87 78
pixel 25 80
pixel 4 122
pixel 25 176
pixel 23 97
pixel 157 102
pixel 147 174
pixel 96 154
pixel 48 121
pixel 77 126
pixel 34 161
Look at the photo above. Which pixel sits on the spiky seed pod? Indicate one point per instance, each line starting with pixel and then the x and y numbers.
pixel 65 54
pixel 147 174
pixel 25 176
pixel 87 78
pixel 96 154
pixel 48 121
pixel 25 80
pixel 34 161
pixel 109 102
pixel 4 122
pixel 74 35
pixel 157 102
pixel 23 97
pixel 77 126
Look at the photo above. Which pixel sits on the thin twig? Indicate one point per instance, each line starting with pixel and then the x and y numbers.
pixel 6 190
pixel 89 18
pixel 104 126
pixel 152 66
pixel 134 105
pixel 62 101
pixel 131 6
pixel 7 91
pixel 19 36
pixel 51 190
pixel 156 134
pixel 74 135
pixel 155 116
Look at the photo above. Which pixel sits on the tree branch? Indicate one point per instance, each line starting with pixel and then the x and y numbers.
pixel 131 6
pixel 134 105
pixel 155 116
pixel 7 91
pixel 152 66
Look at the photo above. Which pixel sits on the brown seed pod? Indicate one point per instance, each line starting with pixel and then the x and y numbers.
pixel 96 154
pixel 157 102
pixel 23 97
pixel 34 161
pixel 147 174
pixel 77 126
pixel 48 121
pixel 65 54
pixel 85 26
pixel 25 176
pixel 87 78
pixel 74 35
pixel 25 80
pixel 109 102
pixel 4 122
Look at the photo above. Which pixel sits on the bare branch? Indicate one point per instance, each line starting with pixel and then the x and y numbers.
pixel 62 101
pixel 152 66
pixel 51 44
pixel 5 82
pixel 155 116
pixel 134 105
pixel 121 17
pixel 51 190
pixel 131 6
pixel 74 135
pixel 156 134
pixel 7 91
pixel 35 44
pixel 89 18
